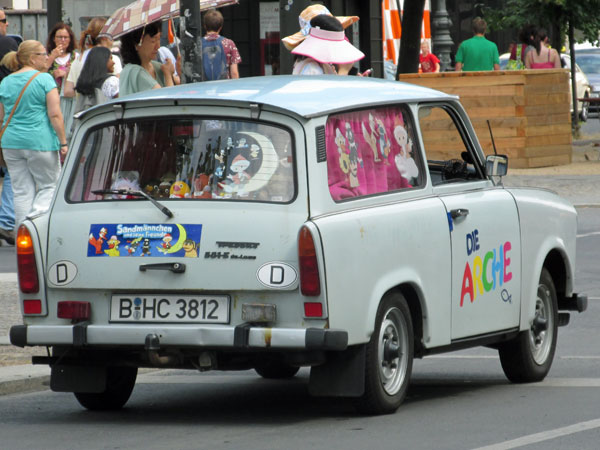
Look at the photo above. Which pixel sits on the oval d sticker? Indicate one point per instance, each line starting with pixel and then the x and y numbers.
pixel 62 272
pixel 277 275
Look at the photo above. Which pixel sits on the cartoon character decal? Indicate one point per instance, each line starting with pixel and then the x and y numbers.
pixel 344 156
pixel 156 240
pixel 97 242
pixel 403 160
pixel 113 246
pixel 383 142
pixel 370 137
pixel 189 246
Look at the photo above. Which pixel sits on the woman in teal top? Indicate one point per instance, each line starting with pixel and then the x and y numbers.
pixel 141 72
pixel 35 133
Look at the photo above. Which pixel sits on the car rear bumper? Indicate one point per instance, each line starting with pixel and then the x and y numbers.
pixel 242 336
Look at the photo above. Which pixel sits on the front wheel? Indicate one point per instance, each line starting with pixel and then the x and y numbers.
pixel 389 358
pixel 119 385
pixel 585 110
pixel 529 356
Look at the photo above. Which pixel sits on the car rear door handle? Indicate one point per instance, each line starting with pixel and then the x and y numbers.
pixel 459 212
pixel 173 267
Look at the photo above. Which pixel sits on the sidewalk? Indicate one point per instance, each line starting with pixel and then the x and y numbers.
pixel 577 182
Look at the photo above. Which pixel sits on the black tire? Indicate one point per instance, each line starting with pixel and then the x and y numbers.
pixel 529 356
pixel 276 370
pixel 119 385
pixel 389 358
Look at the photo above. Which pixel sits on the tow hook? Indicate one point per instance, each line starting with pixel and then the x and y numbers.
pixel 152 346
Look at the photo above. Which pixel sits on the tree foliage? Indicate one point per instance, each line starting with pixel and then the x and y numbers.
pixel 554 15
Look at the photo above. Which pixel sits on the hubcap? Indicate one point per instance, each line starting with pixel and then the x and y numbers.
pixel 541 333
pixel 393 351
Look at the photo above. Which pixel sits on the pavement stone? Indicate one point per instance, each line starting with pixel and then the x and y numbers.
pixel 578 182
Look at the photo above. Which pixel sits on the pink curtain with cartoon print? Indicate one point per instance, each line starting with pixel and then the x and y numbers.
pixel 369 152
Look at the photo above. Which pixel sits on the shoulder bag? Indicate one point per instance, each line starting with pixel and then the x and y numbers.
pixel 2 162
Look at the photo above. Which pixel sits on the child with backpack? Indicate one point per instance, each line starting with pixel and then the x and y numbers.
pixel 220 56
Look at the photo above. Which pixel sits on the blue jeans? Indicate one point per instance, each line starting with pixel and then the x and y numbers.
pixel 7 207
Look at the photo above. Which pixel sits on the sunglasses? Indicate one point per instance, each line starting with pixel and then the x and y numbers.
pixel 3 20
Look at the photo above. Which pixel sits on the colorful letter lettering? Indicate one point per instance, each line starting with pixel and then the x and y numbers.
pixel 467 285
pixel 483 273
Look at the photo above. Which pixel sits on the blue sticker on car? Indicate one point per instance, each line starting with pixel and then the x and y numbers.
pixel 147 239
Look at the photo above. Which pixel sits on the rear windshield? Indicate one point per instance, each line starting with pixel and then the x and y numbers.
pixel 183 159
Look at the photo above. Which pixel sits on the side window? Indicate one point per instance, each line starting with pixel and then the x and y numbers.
pixel 449 158
pixel 371 152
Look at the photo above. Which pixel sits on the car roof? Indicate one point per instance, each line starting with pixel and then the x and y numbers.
pixel 306 96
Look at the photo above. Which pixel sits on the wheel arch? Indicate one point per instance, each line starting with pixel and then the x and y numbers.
pixel 556 265
pixel 413 296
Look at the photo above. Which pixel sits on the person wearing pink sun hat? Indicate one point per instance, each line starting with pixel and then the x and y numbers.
pixel 307 14
pixel 325 45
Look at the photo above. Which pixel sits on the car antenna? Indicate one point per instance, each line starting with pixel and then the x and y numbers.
pixel 492 136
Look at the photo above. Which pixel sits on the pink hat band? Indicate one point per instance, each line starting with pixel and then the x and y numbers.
pixel 328 47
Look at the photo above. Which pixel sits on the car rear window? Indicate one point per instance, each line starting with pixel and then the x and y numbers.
pixel 186 159
pixel 371 152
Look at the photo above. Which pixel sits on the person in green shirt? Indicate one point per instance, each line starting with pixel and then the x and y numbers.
pixel 477 53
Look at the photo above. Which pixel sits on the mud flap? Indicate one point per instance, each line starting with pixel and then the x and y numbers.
pixel 343 375
pixel 84 379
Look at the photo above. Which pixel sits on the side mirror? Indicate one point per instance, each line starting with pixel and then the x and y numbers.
pixel 496 165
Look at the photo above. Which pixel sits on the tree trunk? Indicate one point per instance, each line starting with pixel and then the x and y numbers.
pixel 410 44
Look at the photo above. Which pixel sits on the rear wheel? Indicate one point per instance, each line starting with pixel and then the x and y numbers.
pixel 389 358
pixel 119 385
pixel 529 356
pixel 275 370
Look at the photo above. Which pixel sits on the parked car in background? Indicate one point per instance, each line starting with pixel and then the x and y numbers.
pixel 344 224
pixel 583 85
pixel 588 58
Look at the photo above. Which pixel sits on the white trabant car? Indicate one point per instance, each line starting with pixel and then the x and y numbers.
pixel 341 223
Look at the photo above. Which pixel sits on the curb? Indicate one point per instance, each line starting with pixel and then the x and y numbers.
pixel 24 378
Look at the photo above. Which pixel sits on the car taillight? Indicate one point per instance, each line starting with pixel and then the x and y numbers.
pixel 76 311
pixel 27 268
pixel 310 284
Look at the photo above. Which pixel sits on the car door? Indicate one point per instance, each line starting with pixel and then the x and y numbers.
pixel 483 227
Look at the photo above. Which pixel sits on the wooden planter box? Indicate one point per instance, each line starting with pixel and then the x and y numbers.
pixel 528 110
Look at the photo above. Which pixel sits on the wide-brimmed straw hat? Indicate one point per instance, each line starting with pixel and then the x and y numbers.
pixel 328 47
pixel 306 15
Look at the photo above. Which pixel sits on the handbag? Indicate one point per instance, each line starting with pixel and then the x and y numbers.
pixel 2 162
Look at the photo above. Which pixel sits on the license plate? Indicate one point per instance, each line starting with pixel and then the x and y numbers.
pixel 170 308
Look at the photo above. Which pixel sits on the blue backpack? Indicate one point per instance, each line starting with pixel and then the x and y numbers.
pixel 214 60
